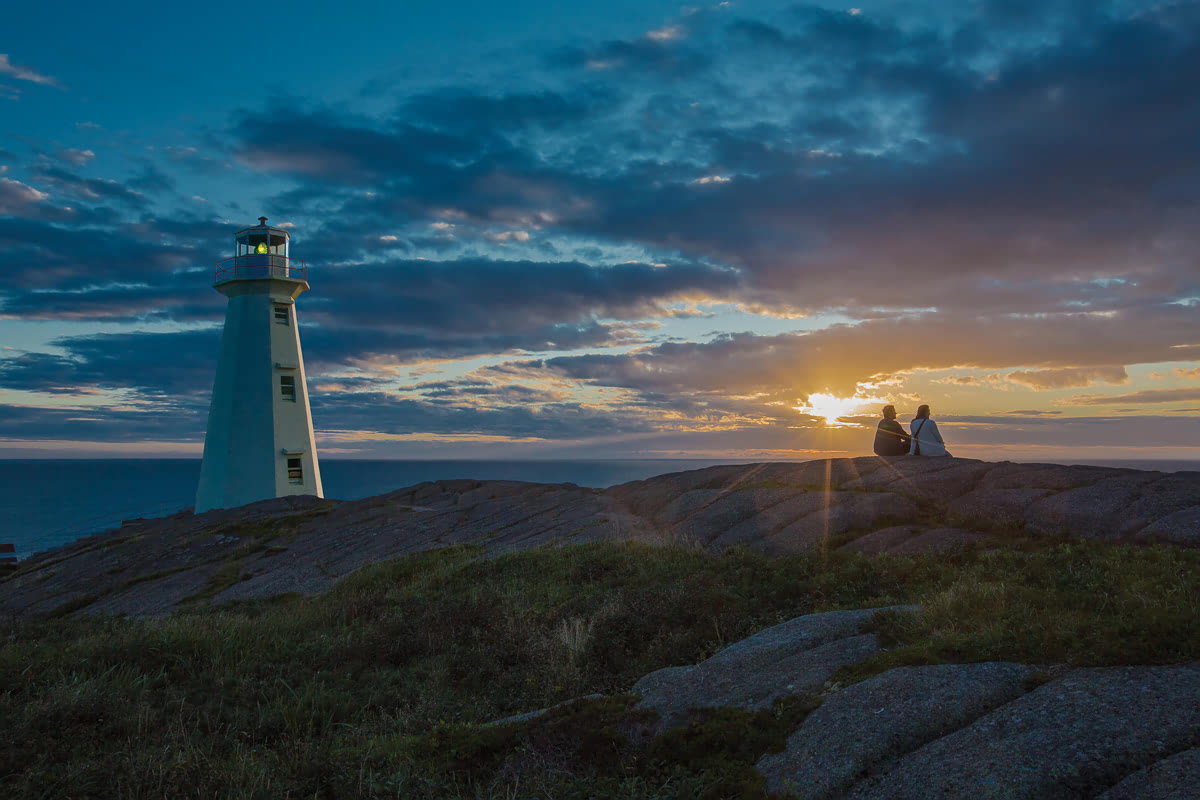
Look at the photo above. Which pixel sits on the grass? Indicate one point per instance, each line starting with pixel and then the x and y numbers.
pixel 380 686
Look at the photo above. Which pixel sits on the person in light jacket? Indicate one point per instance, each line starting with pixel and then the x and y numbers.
pixel 926 438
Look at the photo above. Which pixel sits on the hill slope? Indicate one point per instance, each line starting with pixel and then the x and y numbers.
pixel 868 505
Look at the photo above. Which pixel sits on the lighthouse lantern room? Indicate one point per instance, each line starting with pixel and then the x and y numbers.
pixel 259 442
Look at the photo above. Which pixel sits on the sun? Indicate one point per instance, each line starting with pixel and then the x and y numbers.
pixel 823 404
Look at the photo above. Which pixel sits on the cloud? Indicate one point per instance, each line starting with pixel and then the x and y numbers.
pixel 1187 374
pixel 328 147
pixel 1142 397
pixel 37 254
pixel 512 305
pixel 971 380
pixel 1068 377
pixel 663 54
pixel 839 357
pixel 75 156
pixel 152 179
pixel 665 33
pixel 20 73
pixel 509 236
pixel 176 297
pixel 194 159
pixel 95 190
pixel 447 310
pixel 921 190
pixel 384 413
pixel 457 108
pixel 174 367
pixel 15 196
pixel 28 423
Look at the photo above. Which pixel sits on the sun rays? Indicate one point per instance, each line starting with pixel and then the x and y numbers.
pixel 831 408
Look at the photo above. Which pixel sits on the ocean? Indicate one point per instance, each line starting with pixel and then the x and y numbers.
pixel 47 503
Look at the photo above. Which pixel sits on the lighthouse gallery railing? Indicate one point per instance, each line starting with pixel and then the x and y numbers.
pixel 256 266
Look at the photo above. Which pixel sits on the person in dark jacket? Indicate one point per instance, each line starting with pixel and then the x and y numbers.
pixel 891 438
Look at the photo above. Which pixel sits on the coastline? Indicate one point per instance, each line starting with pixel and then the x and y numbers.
pixel 52 502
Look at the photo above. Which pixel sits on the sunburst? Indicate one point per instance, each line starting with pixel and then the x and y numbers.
pixel 831 407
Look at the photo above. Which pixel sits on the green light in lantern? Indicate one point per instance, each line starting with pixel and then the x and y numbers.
pixel 262 249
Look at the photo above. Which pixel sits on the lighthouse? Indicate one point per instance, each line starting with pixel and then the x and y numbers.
pixel 259 442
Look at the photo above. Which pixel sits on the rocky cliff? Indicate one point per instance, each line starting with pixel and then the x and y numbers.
pixel 870 505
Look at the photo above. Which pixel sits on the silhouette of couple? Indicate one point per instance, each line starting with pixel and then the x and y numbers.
pixel 925 439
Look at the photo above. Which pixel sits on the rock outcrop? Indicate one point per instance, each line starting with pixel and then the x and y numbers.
pixel 952 730
pixel 796 657
pixel 867 505
pixel 863 727
pixel 985 730
pixel 1073 737
pixel 1176 777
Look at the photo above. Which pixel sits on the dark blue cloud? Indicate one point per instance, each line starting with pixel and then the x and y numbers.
pixel 388 414
pixel 904 152
pixel 477 295
pixel 322 145
pixel 101 424
pixel 174 367
pixel 462 109
pixel 36 254
pixel 66 183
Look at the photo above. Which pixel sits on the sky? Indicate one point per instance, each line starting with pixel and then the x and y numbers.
pixel 629 229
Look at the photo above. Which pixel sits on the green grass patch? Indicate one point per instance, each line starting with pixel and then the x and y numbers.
pixel 380 686
pixel 601 747
pixel 1081 603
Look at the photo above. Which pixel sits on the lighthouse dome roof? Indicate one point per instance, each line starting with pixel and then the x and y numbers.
pixel 262 227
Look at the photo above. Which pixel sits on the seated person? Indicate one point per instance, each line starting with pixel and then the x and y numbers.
pixel 890 438
pixel 926 439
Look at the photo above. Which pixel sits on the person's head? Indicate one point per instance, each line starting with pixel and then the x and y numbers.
pixel 922 413
pixel 889 412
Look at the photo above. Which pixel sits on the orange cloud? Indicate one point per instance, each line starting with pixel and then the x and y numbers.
pixel 1068 377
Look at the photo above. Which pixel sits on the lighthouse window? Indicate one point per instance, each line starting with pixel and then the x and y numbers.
pixel 287 386
pixel 281 314
pixel 295 471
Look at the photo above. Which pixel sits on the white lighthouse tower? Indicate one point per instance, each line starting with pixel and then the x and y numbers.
pixel 259 442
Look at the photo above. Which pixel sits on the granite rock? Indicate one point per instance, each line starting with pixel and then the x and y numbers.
pixel 795 657
pixel 864 726
pixel 1175 777
pixel 1072 737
